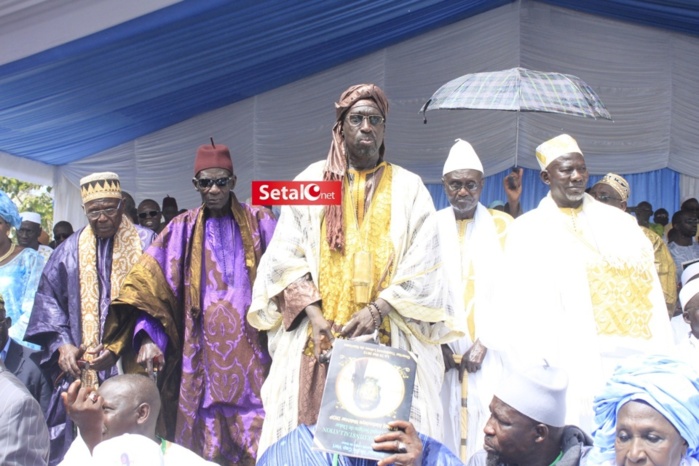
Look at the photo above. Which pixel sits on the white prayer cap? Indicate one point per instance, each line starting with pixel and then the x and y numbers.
pixel 550 150
pixel 462 157
pixel 538 392
pixel 31 217
pixel 131 449
pixel 689 271
pixel 688 291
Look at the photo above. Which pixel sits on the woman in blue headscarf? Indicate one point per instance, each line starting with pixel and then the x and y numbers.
pixel 20 271
pixel 648 413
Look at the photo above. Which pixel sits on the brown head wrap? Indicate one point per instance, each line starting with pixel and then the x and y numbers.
pixel 336 163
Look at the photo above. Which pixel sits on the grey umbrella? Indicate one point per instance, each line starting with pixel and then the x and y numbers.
pixel 519 89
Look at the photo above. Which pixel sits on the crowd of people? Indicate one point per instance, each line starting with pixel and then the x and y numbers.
pixel 564 335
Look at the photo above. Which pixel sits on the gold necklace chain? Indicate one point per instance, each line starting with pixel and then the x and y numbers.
pixel 8 253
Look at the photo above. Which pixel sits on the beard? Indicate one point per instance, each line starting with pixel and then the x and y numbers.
pixel 493 459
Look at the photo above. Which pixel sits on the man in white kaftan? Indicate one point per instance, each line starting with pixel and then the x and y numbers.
pixel 472 240
pixel 303 294
pixel 583 292
pixel 117 421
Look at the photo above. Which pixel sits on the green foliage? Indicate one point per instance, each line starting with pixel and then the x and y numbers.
pixel 31 197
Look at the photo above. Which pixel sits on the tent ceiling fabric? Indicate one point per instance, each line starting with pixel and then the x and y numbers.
pixel 158 68
pixel 162 68
pixel 646 77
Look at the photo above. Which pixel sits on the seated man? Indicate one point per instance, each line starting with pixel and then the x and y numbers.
pixel 527 423
pixel 408 448
pixel 109 412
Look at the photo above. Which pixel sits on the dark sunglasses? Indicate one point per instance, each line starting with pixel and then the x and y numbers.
pixel 207 183
pixel 150 213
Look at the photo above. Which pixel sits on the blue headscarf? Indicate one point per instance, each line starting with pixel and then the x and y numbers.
pixel 8 211
pixel 670 386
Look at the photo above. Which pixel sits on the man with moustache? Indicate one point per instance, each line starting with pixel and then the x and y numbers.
pixel 583 292
pixel 383 239
pixel 472 240
pixel 77 285
pixel 184 305
pixel 527 423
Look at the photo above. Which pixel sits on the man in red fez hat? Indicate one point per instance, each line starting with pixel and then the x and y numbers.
pixel 371 264
pixel 185 303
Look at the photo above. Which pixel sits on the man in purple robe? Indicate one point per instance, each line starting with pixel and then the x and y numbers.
pixel 76 287
pixel 186 301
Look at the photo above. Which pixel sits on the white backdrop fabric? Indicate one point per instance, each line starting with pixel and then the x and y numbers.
pixel 645 76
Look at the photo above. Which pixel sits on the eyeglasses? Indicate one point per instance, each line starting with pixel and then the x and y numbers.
pixel 110 212
pixel 606 199
pixel 150 213
pixel 471 186
pixel 355 119
pixel 207 183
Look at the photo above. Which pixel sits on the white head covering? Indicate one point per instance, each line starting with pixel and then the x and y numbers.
pixel 550 150
pixel 688 291
pixel 31 217
pixel 462 157
pixel 689 271
pixel 539 392
pixel 131 449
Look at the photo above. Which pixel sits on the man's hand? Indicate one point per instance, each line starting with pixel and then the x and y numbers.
pixel 102 359
pixel 361 323
pixel 448 356
pixel 513 186
pixel 472 359
pixel 404 441
pixel 68 356
pixel 322 332
pixel 84 407
pixel 150 352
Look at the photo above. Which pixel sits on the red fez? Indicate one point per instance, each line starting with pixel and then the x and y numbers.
pixel 213 156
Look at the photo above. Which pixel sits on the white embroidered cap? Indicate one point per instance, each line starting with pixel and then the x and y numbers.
pixel 538 392
pixel 550 150
pixel 462 157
